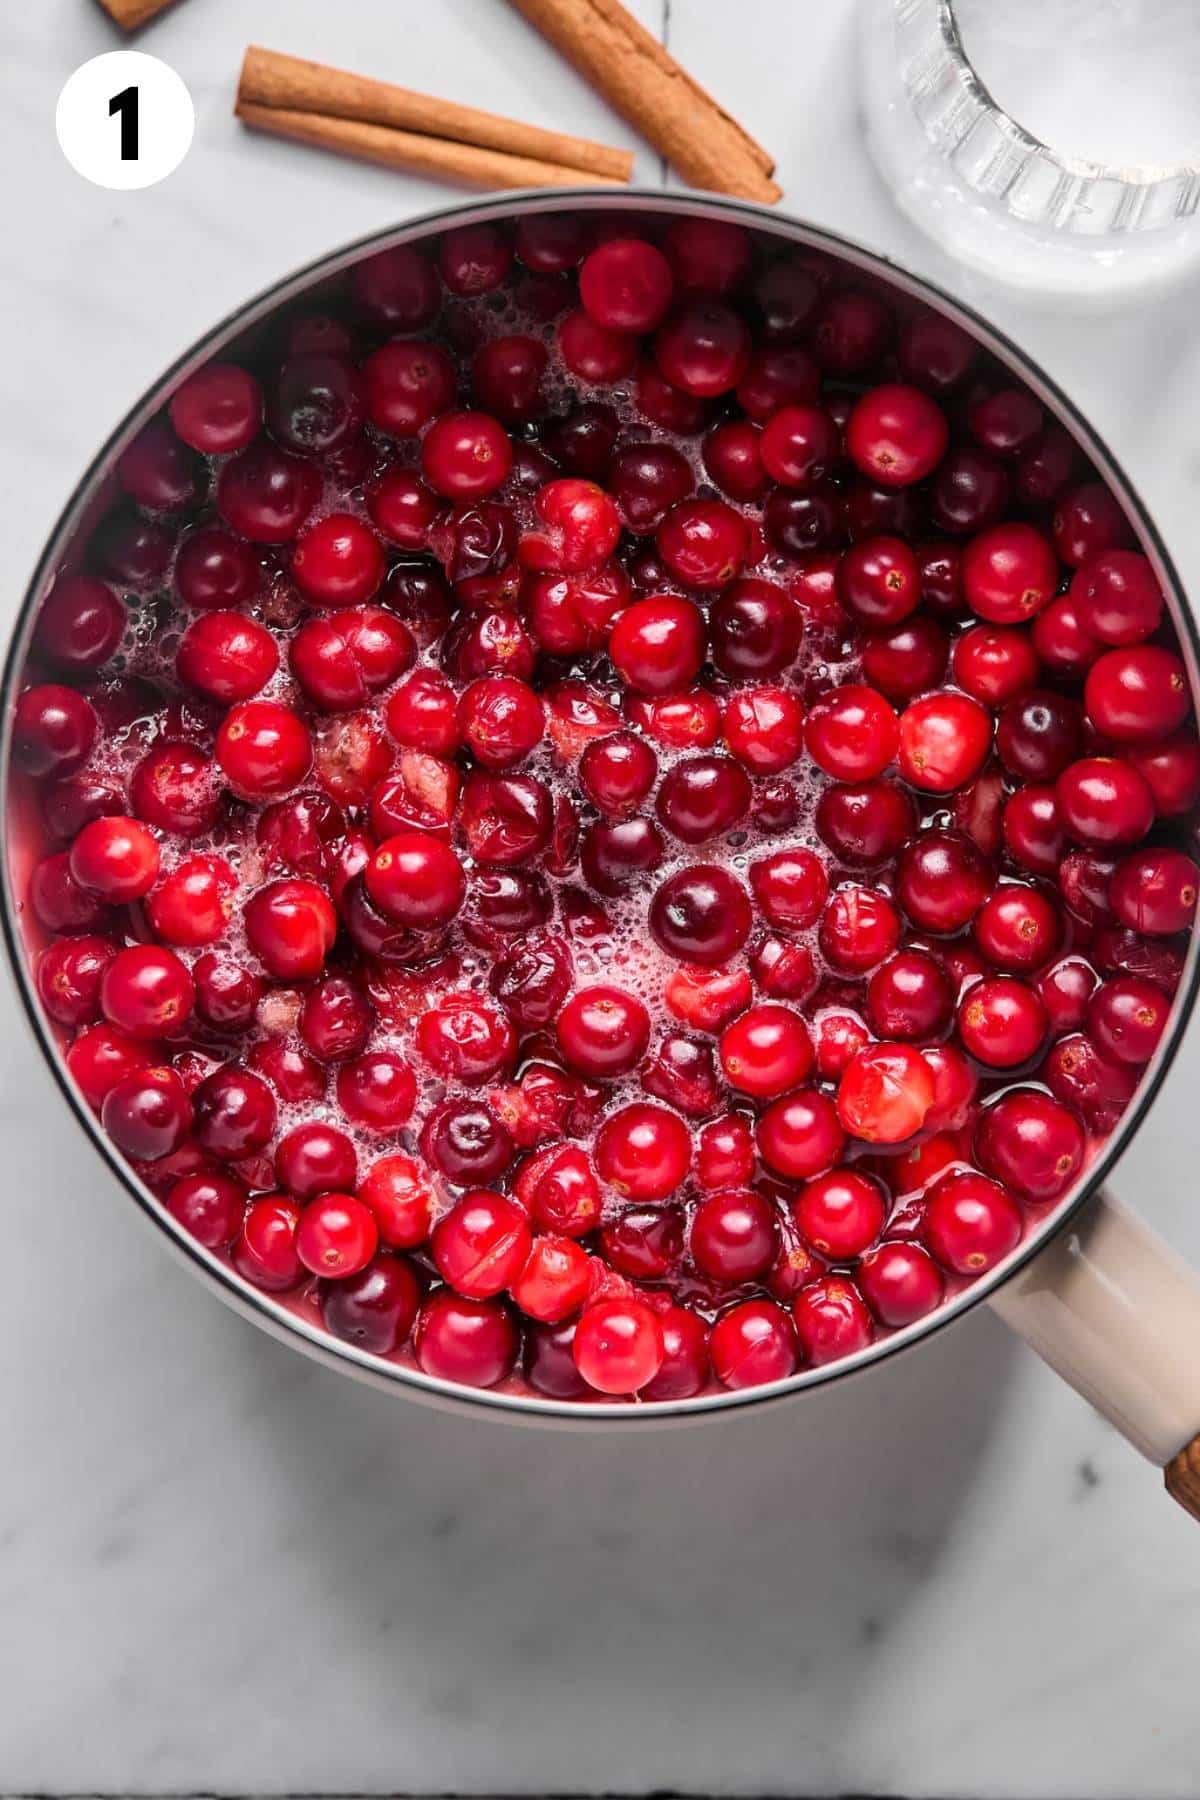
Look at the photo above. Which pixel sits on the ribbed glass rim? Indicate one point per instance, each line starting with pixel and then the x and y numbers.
pixel 265 1309
pixel 1004 163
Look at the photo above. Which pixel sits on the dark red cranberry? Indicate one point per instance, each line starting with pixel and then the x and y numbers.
pixel 80 624
pixel 54 730
pixel 934 353
pixel 471 1343
pixel 646 481
pixel 969 492
pixel 732 455
pixel 733 1236
pixel 786 296
pixel 474 259
pixel 218 409
pixel 234 1113
pixel 265 495
pixel 1118 597
pixel 851 331
pixel 702 347
pixel 909 996
pixel 1087 521
pixel 209 1207
pixel 373 1309
pixel 466 1142
pixel 701 914
pixel 798 523
pixel 316 403
pixel 227 994
pixel 147 1114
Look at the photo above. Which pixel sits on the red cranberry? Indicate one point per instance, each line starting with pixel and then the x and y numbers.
pixel 69 974
pixel 625 285
pixel 791 888
pixel 227 995
pixel 594 354
pixel 1033 831
pixel 100 1057
pixel 1002 1022
pixel 944 740
pixel 909 997
pixel 852 733
pixel 263 748
pixel 54 730
pixel 316 1159
pixel 335 1019
pixel 1060 639
pixel 897 435
pixel 146 991
pixel 265 495
pixel 555 1280
pixel 116 859
pixel 235 1113
pixel 618 1346
pixel 1088 521
pixel 481 1245
pixel 878 581
pixel 500 720
pixel 702 347
pixel 725 1153
pixel 1117 597
pixel 400 1195
pixel 994 663
pixel 900 1283
pixel 1103 800
pixel 906 659
pixel 1031 1143
pixel 766 1051
pixel 374 1308
pixel 707 256
pixel 941 881
pixel 644 1152
pixel 193 904
pixel 1155 891
pixel 209 1207
pixel 1127 1017
pixel 657 645
pixel 831 1320
pixel 466 1142
pixel 617 772
pixel 971 1223
pixel 703 543
pixel 885 1093
pixel 1009 573
pixel 764 728
pixel 226 657
pixel 1017 928
pixel 402 507
pixel 800 1136
pixel 218 409
pixel 702 914
pixel 866 823
pixel 291 927
pixel 732 455
pixel 396 288
pixel 465 455
pixel 603 1031
pixel 756 630
pixel 733 1236
pixel 473 259
pixel 147 1114
pixel 840 1214
pixel 799 524
pixel 800 446
pixel 416 880
pixel 1137 694
pixel 470 1343
pixel 338 561
pixel 860 928
pixel 753 1343
pixel 1171 770
pixel 58 900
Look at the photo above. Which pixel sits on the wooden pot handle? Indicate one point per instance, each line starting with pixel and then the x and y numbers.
pixel 1182 1476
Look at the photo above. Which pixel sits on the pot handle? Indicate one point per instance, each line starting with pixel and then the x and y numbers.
pixel 1116 1312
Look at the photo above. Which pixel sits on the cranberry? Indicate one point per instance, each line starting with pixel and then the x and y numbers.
pixel 786 296
pixel 265 495
pixel 1088 521
pixel 54 730
pixel 1137 694
pixel 851 331
pixel 594 354
pixel 500 719
pixel 625 285
pixel 227 994
pixel 897 435
pixel 209 1207
pixel 756 629
pixel 732 456
pixel 1103 800
pixel 374 1308
pixel 971 1223
pixel 657 644
pixel 471 1343
pixel 791 888
pixel 840 1214
pixel 1126 1017
pixel 100 1057
pixel 603 1031
pixel 852 733
pixel 1171 770
pixel 800 446
pixel 753 1343
pixel 994 663
pixel 335 1019
pixel 944 740
pixel 1060 639
pixel 80 624
pixel 291 927
pixel 860 928
pixel 725 1153
pixel 865 823
pixel 702 347
pixel 1031 1143
pixel 708 256
pixel 316 1159
pixel 218 409
pixel 399 1193
pixel 481 1245
pixel 703 543
pixel 116 859
pixel 465 455
pixel 798 524
pixel 338 561
pixel 549 1363
pixel 193 904
pixel 885 1093
pixel 831 1320
pixel 878 581
pixel 702 914
pixel 764 728
pixel 643 1151
pixel 396 288
pixel 554 1281
pixel 618 1346
pixel 766 1051
pixel 941 881
pixel 263 748
pixel 703 797
pixel 617 772
pixel 464 1141
pixel 934 353
pixel 900 1283
pixel 910 997
pixel 1155 891
pixel 969 492
pixel 234 1113
pixel 1002 1022
pixel 226 657
pixel 416 880
pixel 1118 597
pixel 733 1236
pixel 1017 928
pixel 147 1114
pixel 1009 573
pixel 69 974
pixel 684 1368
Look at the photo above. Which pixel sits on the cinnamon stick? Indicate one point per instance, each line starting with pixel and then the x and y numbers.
pixel 468 163
pixel 289 84
pixel 129 14
pixel 642 80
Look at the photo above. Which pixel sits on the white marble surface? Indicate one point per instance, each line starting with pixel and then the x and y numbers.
pixel 224 1569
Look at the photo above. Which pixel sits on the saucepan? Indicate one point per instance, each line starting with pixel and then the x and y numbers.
pixel 1090 1287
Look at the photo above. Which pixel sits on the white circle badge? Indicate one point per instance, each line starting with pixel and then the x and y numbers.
pixel 125 119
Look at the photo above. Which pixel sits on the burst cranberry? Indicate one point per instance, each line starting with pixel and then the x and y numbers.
pixel 971 1222
pixel 1031 1143
pixel 944 739
pixel 416 880
pixel 1104 801
pixel 885 1093
pixel 1001 1022
pixel 753 1343
pixel 481 1245
pixel 263 748
pixel 218 409
pixel 291 926
pixel 147 1114
pixel 644 1152
pixel 1137 694
pixel 707 998
pixel 764 728
pixel 467 1342
pixel 896 435
pixel 554 1281
pixel 501 720
pixel 725 1153
pixel 701 915
pixel 791 888
pixel 689 721
pixel 859 929
pixel 465 1038
pixel 399 1193
pixel 657 644
pixel 756 629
